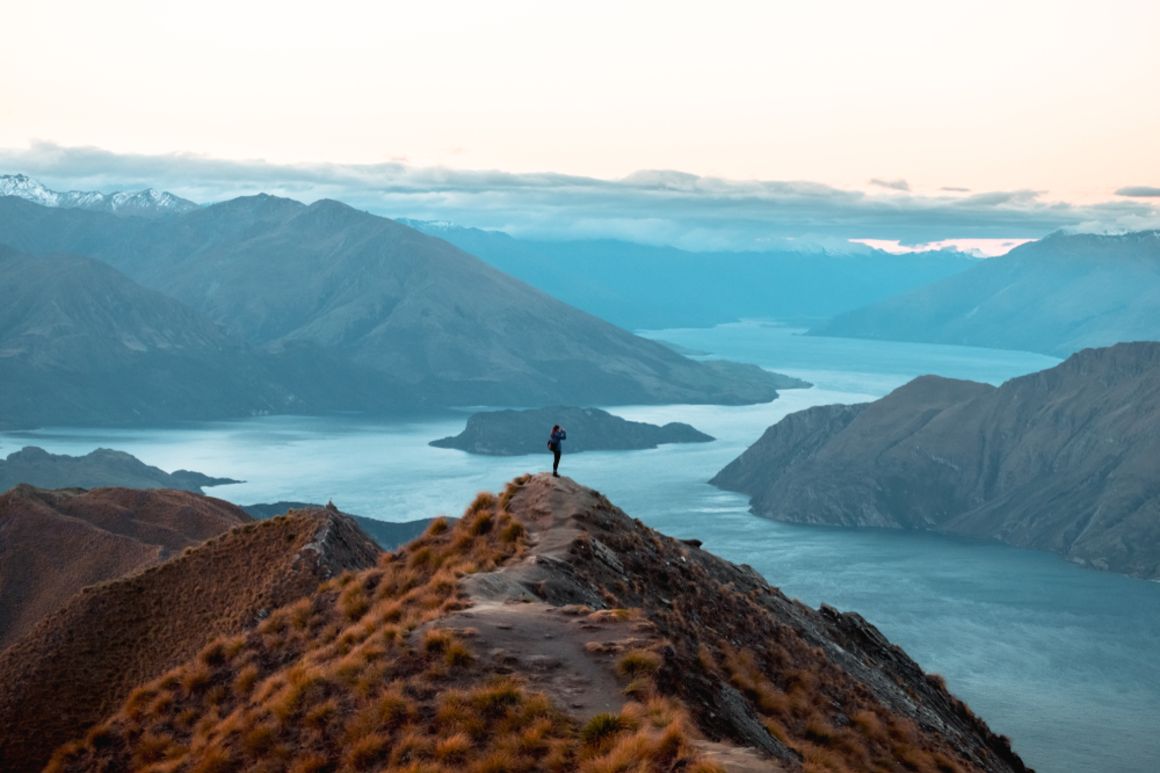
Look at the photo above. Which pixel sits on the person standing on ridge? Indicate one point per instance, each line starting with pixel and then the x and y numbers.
pixel 555 440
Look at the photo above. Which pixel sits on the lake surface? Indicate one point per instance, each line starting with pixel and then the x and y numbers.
pixel 1060 658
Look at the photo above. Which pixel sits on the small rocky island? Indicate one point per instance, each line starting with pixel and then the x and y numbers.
pixel 101 468
pixel 514 433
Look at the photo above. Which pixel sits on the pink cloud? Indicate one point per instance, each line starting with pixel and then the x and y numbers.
pixel 980 248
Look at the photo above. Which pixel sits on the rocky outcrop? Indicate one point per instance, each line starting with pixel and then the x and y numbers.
pixel 53 543
pixel 80 662
pixel 547 630
pixel 512 433
pixel 102 468
pixel 1060 460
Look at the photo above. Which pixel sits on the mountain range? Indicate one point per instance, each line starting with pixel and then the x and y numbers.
pixel 1061 460
pixel 340 299
pixel 144 203
pixel 1058 295
pixel 544 630
pixel 646 286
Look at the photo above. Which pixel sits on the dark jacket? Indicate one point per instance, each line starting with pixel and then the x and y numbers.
pixel 557 437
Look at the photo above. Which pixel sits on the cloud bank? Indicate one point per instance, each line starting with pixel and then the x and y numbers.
pixel 659 207
pixel 894 185
pixel 1139 191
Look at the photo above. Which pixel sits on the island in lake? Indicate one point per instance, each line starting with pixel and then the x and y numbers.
pixel 515 433
pixel 102 468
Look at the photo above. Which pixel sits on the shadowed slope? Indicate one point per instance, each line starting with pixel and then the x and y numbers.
pixel 1061 460
pixel 1057 295
pixel 80 663
pixel 53 543
pixel 426 317
pixel 82 343
pixel 546 630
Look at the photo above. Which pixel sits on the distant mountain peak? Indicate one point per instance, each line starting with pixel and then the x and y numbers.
pixel 147 202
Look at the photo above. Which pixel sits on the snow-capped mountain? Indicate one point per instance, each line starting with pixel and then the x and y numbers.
pixel 147 202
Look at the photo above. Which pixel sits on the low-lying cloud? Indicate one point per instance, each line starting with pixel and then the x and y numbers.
pixel 1139 191
pixel 894 185
pixel 662 207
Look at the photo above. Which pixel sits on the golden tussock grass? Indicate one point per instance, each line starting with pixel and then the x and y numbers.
pixel 797 710
pixel 637 663
pixel 355 677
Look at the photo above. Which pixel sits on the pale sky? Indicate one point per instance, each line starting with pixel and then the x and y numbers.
pixel 1060 98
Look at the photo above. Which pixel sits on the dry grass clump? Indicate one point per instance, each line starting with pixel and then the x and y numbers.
pixel 651 735
pixel 795 709
pixel 638 663
pixel 356 677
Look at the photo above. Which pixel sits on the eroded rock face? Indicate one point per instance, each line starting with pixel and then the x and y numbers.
pixel 1061 460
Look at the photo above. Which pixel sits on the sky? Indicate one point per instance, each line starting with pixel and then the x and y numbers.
pixel 892 121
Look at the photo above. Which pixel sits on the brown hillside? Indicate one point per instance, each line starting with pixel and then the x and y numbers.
pixel 546 630
pixel 80 663
pixel 53 543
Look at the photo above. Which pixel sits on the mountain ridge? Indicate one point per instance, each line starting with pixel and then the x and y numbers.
pixel 1058 295
pixel 149 202
pixel 546 630
pixel 1060 460
pixel 84 659
pixel 82 343
pixel 54 543
pixel 618 280
pixel 427 318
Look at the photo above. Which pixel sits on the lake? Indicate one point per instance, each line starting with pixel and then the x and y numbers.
pixel 1060 658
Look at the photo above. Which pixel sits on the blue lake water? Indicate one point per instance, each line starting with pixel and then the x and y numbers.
pixel 1062 659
